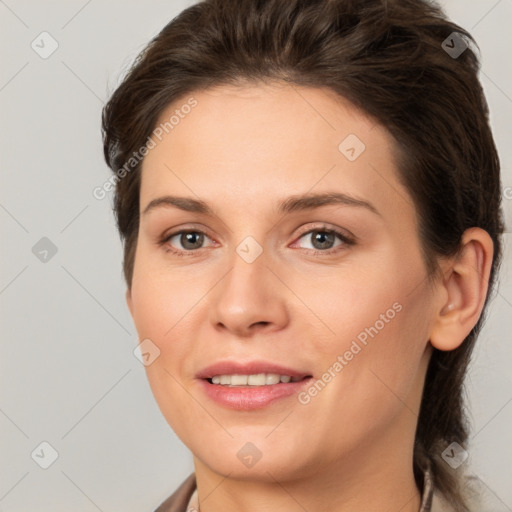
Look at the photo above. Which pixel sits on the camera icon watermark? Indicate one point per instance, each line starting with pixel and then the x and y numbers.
pixel 44 250
pixel 351 147
pixel 44 455
pixel 249 249
pixel 44 45
pixel 454 45
pixel 146 352
pixel 454 455
pixel 249 455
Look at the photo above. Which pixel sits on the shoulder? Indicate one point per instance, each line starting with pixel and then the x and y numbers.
pixel 439 504
pixel 434 501
pixel 178 501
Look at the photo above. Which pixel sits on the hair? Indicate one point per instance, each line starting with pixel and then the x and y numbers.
pixel 387 58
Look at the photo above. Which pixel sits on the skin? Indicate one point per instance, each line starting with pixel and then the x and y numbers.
pixel 243 150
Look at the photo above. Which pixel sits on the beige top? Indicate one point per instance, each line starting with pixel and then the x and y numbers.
pixel 185 498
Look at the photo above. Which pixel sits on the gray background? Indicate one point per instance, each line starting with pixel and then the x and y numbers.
pixel 68 375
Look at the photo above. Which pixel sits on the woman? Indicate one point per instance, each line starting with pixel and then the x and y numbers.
pixel 309 198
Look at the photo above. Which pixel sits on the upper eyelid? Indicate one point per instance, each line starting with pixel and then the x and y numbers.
pixel 321 227
pixel 326 227
pixel 172 234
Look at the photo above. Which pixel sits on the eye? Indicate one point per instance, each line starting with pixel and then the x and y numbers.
pixel 190 242
pixel 185 241
pixel 323 240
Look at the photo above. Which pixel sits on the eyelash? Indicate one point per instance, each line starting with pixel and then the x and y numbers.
pixel 347 241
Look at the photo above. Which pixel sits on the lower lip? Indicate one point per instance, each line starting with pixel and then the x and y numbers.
pixel 251 397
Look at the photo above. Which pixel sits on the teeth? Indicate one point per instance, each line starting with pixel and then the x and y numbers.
pixel 259 379
pixel 238 380
pixel 256 380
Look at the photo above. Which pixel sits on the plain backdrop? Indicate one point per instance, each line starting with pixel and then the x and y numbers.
pixel 68 375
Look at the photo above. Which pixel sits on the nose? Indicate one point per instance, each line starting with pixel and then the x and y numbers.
pixel 249 299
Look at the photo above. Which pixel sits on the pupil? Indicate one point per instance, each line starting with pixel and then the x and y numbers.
pixel 325 239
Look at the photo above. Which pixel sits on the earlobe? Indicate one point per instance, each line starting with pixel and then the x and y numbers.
pixel 463 290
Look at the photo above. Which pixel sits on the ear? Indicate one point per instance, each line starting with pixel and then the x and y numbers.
pixel 463 290
pixel 128 297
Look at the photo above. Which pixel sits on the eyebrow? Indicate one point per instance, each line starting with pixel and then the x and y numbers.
pixel 291 204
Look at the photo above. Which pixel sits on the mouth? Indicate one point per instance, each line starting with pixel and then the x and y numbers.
pixel 251 385
pixel 255 372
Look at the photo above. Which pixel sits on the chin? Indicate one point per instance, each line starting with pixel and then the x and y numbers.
pixel 255 458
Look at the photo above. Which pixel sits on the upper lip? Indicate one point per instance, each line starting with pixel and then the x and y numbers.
pixel 248 368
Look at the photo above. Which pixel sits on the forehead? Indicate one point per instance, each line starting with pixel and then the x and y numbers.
pixel 259 142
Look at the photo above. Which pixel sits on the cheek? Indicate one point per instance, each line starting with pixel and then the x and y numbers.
pixel 383 356
pixel 373 331
pixel 350 306
pixel 164 310
pixel 159 298
pixel 159 314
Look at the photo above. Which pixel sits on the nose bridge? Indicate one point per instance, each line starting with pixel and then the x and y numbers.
pixel 246 285
pixel 248 295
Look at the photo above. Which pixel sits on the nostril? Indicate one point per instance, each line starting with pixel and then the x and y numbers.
pixel 261 323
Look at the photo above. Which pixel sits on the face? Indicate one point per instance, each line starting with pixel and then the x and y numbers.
pixel 302 259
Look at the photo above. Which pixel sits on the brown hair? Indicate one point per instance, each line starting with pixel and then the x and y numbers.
pixel 387 58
